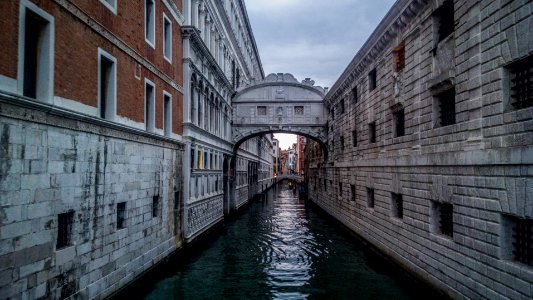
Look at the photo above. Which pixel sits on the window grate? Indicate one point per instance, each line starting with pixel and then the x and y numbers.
pixel 399 118
pixel 522 83
pixel 64 229
pixel 447 107
pixel 446 219
pixel 261 110
pixel 523 240
pixel 299 110
pixel 121 215
pixel 445 16
pixel 399 57
pixel 397 205
pixel 370 197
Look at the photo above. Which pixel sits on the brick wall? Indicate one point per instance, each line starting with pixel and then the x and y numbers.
pixel 482 164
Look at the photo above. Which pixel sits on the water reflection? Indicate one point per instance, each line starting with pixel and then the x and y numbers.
pixel 279 248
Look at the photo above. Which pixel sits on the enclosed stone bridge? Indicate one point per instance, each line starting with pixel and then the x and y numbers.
pixel 280 104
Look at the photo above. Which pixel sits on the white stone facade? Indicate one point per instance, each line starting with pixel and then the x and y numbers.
pixel 438 188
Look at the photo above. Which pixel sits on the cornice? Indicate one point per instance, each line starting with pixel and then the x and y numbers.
pixel 398 17
pixel 174 10
pixel 193 35
pixel 249 27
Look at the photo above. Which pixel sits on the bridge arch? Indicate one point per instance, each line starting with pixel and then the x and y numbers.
pixel 280 104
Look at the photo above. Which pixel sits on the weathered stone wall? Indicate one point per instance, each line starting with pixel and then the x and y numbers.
pixel 482 164
pixel 53 162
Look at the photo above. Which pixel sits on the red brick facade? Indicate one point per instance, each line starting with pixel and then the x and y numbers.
pixel 76 54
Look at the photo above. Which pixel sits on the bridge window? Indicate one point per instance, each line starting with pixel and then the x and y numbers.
pixel 399 123
pixel 397 205
pixel 444 104
pixel 354 138
pixel 521 83
pixel 64 229
pixel 372 132
pixel 121 215
pixel 261 110
pixel 399 57
pixel 372 79
pixel 298 110
pixel 370 197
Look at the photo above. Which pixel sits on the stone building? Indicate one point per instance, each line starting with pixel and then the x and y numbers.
pixel 90 152
pixel 220 56
pixel 431 145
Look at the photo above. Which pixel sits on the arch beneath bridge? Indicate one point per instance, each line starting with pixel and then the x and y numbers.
pixel 280 104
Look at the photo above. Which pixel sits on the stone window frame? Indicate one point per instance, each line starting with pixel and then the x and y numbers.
pixel 111 98
pixel 45 77
pixel 111 5
pixel 438 13
pixel 149 24
pixel 299 110
pixel 167 38
pixel 261 110
pixel 440 225
pixel 439 103
pixel 397 205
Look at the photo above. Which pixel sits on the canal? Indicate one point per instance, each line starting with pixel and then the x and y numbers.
pixel 279 247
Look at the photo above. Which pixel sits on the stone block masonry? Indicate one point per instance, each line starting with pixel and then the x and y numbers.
pixel 61 180
pixel 446 190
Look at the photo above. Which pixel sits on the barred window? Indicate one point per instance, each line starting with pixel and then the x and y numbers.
pixel 446 107
pixel 370 197
pixel 372 132
pixel 261 110
pixel 521 83
pixel 444 218
pixel 121 215
pixel 399 57
pixel 444 18
pixel 397 205
pixel 299 110
pixel 399 123
pixel 372 79
pixel 155 206
pixel 520 239
pixel 64 229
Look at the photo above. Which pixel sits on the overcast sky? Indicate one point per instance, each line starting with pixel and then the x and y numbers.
pixel 312 38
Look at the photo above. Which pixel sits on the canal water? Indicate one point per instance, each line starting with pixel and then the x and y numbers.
pixel 279 247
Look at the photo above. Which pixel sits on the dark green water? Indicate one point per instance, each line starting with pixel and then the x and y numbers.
pixel 279 248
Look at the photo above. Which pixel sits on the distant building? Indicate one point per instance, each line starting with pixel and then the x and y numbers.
pixel 300 147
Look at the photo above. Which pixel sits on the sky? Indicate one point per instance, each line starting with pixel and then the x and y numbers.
pixel 312 38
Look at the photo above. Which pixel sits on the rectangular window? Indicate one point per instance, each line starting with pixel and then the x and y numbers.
pixel 149 22
pixel 372 132
pixel 397 205
pixel 370 197
pixel 372 79
pixel 342 106
pixel 354 138
pixel 352 188
pixel 64 229
pixel 518 241
pixel 399 123
pixel 200 159
pixel 443 218
pixel 107 95
pixel 111 4
pixel 445 107
pixel 399 57
pixel 521 83
pixel 155 206
pixel 121 215
pixel 340 189
pixel 149 104
pixel 167 38
pixel 342 142
pixel 167 113
pixel 444 19
pixel 36 66
pixel 354 94
pixel 325 185
pixel 261 110
pixel 299 110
